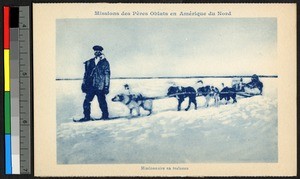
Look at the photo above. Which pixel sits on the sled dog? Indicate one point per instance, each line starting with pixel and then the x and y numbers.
pixel 209 92
pixel 181 93
pixel 227 93
pixel 134 102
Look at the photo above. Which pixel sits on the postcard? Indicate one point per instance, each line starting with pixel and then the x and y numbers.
pixel 164 89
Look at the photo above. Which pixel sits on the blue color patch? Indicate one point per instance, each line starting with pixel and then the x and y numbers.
pixel 8 156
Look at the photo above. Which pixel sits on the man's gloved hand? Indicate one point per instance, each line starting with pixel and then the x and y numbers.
pixel 106 90
pixel 83 87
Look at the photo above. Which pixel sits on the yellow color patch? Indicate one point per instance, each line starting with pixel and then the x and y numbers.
pixel 6 70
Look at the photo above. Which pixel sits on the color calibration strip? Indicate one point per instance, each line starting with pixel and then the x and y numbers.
pixel 17 90
pixel 7 105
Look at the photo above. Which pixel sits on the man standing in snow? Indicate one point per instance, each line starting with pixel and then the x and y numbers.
pixel 96 82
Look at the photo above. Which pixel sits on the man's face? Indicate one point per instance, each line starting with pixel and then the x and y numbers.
pixel 98 53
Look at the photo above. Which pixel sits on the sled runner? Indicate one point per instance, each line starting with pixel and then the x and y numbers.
pixel 128 117
pixel 246 95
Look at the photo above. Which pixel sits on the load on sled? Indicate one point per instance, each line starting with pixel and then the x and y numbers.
pixel 254 87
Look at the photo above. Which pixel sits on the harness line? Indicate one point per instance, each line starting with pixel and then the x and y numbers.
pixel 197 95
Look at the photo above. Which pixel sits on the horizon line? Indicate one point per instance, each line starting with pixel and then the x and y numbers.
pixel 180 77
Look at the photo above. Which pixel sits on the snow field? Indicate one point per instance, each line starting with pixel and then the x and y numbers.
pixel 241 132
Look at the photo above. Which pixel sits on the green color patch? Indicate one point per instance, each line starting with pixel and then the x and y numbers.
pixel 7 117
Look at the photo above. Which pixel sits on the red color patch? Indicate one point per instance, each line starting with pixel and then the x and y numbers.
pixel 6 28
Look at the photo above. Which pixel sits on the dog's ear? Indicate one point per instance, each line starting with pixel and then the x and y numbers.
pixel 115 98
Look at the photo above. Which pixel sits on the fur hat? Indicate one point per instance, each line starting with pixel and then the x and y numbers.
pixel 97 47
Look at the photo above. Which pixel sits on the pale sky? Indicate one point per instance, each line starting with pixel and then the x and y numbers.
pixel 169 47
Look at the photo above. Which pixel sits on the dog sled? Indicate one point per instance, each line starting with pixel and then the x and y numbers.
pixel 247 95
pixel 135 101
pixel 253 88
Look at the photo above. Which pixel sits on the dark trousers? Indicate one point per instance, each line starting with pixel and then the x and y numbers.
pixel 101 100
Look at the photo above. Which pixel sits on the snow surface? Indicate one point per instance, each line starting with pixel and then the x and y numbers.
pixel 241 132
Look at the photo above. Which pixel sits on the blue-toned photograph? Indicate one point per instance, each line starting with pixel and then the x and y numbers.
pixel 166 90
